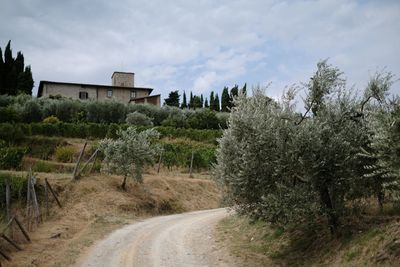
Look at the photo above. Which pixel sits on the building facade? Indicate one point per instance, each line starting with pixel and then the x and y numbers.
pixel 122 90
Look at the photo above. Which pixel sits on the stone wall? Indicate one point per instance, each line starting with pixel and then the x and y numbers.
pixel 123 79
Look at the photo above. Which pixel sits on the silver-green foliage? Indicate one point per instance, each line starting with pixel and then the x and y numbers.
pixel 139 119
pixel 285 167
pixel 130 152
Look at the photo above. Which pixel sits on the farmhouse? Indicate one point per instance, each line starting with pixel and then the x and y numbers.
pixel 122 90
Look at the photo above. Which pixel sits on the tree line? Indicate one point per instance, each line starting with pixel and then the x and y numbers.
pixel 15 77
pixel 212 103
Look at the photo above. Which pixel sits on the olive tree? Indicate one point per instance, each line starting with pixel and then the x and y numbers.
pixel 281 166
pixel 129 153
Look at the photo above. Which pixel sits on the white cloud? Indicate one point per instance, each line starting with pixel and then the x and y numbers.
pixel 202 45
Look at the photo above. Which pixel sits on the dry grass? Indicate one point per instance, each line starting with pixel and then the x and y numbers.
pixel 259 244
pixel 95 205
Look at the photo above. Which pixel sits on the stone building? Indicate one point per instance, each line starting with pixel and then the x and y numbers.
pixel 122 90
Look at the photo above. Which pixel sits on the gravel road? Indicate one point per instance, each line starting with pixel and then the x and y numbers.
pixel 175 240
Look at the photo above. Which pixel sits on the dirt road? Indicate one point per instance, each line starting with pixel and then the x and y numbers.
pixel 175 240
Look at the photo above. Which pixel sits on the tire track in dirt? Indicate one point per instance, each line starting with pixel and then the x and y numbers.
pixel 176 240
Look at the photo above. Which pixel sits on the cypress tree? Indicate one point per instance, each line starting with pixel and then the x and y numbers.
pixel 225 100
pixel 184 102
pixel 234 93
pixel 206 103
pixel 25 81
pixel 19 62
pixel 1 72
pixel 244 89
pixel 212 102
pixel 216 103
pixel 191 100
pixel 8 70
pixel 201 100
pixel 14 79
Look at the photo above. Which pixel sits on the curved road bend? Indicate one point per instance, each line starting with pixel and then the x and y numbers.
pixel 174 240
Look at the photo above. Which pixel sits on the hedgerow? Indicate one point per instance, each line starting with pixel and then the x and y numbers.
pixel 26 109
pixel 17 131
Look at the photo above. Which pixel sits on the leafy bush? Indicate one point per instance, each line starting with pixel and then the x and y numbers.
pixel 64 153
pixel 18 185
pixel 51 119
pixel 32 111
pixel 179 155
pixel 138 119
pixel 10 132
pixel 43 166
pixel 42 147
pixel 11 157
pixel 9 114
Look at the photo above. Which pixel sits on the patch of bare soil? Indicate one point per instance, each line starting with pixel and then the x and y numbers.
pixel 95 206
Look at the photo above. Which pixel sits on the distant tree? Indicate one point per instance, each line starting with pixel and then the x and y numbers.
pixel 15 78
pixel 25 81
pixel 225 100
pixel 184 101
pixel 196 102
pixel 202 100
pixel 1 71
pixel 212 101
pixel 244 89
pixel 216 100
pixel 191 100
pixel 234 93
pixel 206 105
pixel 173 99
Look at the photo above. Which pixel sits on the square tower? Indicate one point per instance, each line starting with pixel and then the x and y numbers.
pixel 124 79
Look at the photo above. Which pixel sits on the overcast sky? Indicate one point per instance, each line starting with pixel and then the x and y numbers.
pixel 202 45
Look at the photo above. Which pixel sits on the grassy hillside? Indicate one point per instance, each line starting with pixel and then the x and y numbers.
pixel 94 206
pixel 372 241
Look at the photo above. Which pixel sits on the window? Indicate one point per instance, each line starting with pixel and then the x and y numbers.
pixel 133 94
pixel 83 95
pixel 109 92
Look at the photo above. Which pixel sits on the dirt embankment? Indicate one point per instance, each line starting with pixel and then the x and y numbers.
pixel 257 243
pixel 94 206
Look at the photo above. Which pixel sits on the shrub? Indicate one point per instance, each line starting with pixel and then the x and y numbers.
pixel 42 166
pixel 9 114
pixel 51 119
pixel 138 119
pixel 42 147
pixel 18 185
pixel 64 153
pixel 10 132
pixel 32 111
pixel 11 157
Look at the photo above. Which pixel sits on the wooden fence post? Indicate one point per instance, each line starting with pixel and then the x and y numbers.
pixel 46 197
pixel 191 165
pixel 34 199
pixel 88 161
pixel 5 256
pixel 159 162
pixel 53 193
pixel 22 229
pixel 94 162
pixel 8 199
pixel 74 174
